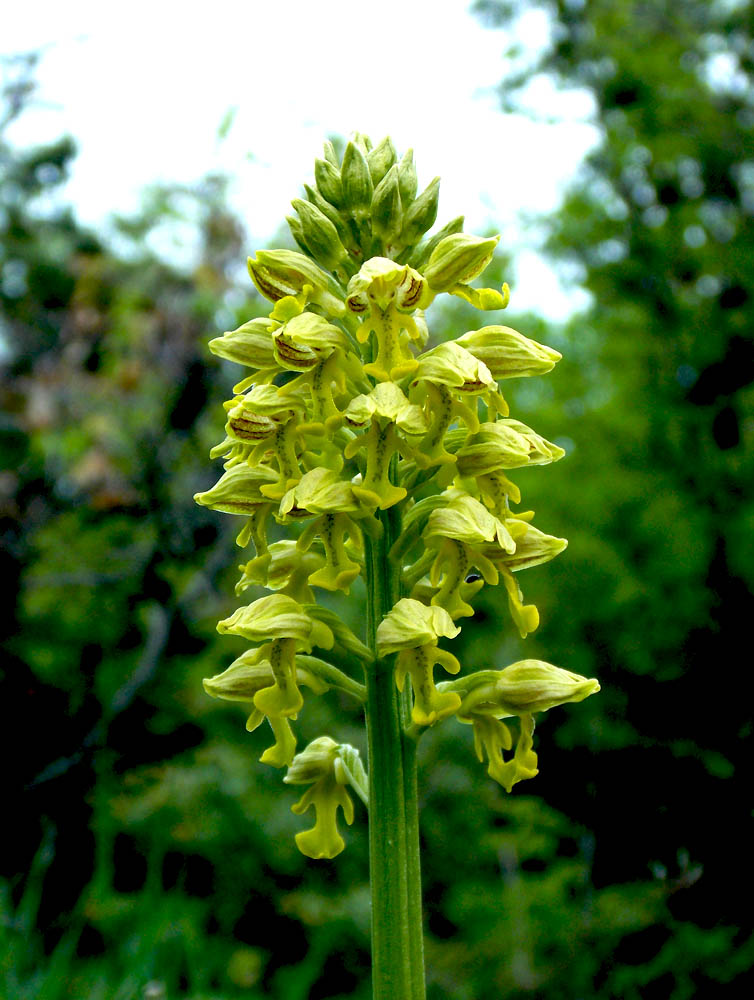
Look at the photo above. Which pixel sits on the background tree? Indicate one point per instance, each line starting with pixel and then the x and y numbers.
pixel 658 227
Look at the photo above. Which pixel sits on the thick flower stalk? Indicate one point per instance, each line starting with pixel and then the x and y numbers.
pixel 385 458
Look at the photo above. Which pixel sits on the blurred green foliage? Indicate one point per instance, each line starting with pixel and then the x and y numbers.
pixel 149 854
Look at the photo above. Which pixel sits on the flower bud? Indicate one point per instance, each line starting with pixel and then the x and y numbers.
pixel 330 211
pixel 330 155
pixel 422 253
pixel 407 178
pixel 357 182
pixel 327 179
pixel 507 353
pixel 381 159
pixel 458 259
pixel 421 214
pixel 362 140
pixel 387 217
pixel 320 235
pixel 297 232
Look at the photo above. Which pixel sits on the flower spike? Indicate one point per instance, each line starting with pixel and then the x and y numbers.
pixel 380 458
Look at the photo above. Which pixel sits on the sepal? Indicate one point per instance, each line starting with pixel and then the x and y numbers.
pixel 251 345
pixel 466 520
pixel 533 547
pixel 507 353
pixel 536 686
pixel 319 491
pixel 277 617
pixel 410 624
pixel 452 365
pixel 421 254
pixel 278 273
pixel 504 444
pixel 387 403
pixel 237 490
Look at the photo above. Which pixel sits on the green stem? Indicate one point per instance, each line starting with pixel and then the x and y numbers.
pixel 397 942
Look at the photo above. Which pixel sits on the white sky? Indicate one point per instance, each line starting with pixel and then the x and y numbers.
pixel 144 86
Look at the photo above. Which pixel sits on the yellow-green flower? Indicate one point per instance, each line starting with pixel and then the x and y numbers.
pixel 457 260
pixel 519 690
pixel 412 630
pixel 321 492
pixel 394 423
pixel 251 673
pixel 316 765
pixel 306 340
pixel 459 532
pixel 282 620
pixel 384 294
pixel 285 568
pixel 238 491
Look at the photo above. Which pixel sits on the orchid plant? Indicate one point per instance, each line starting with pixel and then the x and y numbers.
pixel 387 460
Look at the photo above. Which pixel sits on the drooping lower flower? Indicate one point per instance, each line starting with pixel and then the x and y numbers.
pixel 412 630
pixel 318 765
pixel 284 621
pixel 523 688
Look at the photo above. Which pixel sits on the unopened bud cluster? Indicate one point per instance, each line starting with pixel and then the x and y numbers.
pixel 348 411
